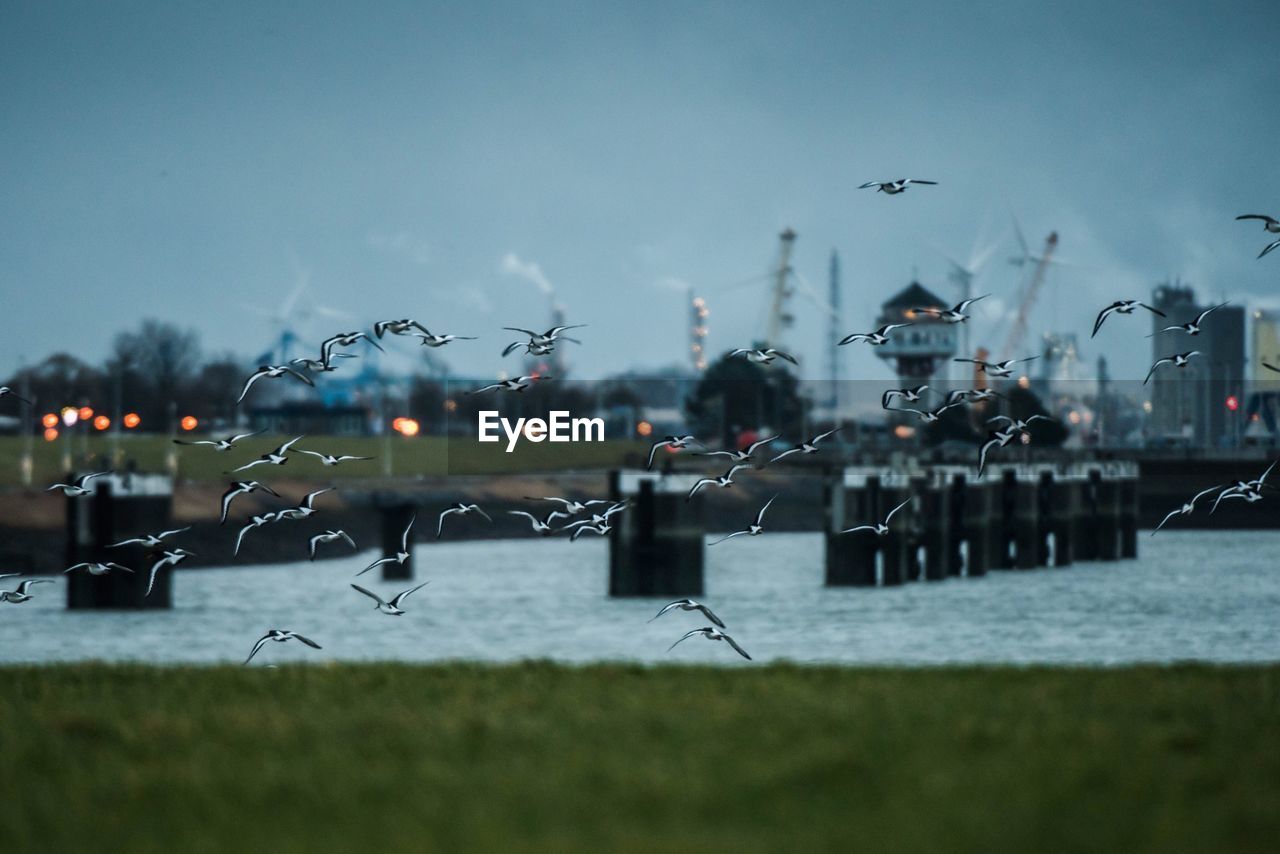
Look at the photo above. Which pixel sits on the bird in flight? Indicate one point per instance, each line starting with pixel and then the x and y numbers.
pixel 996 369
pixel 599 519
pixel 1186 508
pixel 571 506
pixel 405 326
pixel 77 489
pixel 951 315
pixel 712 633
pixel 809 447
pixel 741 455
pixel 321 366
pixel 724 480
pixel 391 608
pixel 517 384
pixel 1192 328
pixel 150 541
pixel 547 338
pixel 763 357
pixel 1121 306
pixel 430 340
pixel 5 391
pixel 540 526
pixel 584 527
pixel 1270 225
pixel 20 594
pixel 256 521
pixel 688 605
pixel 1178 360
pixel 399 557
pixel 463 509
pixel 241 487
pixel 305 508
pixel 957 396
pixel 754 529
pixel 892 188
pixel 995 439
pixel 674 443
pixel 218 445
pixel 329 537
pixel 330 459
pixel 879 528
pixel 928 416
pixel 272 372
pixel 170 558
pixel 96 568
pixel 344 339
pixel 1018 425
pixel 273 458
pixel 279 636
pixel 910 395
pixel 875 339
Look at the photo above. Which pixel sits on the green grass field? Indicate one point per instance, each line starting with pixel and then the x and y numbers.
pixel 421 455
pixel 540 757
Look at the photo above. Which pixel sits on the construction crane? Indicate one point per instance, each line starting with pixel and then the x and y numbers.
pixel 1029 293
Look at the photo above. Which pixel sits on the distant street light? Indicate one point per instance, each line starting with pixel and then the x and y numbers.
pixel 189 423
pixel 50 433
pixel 132 420
pixel 102 422
pixel 70 415
pixel 49 420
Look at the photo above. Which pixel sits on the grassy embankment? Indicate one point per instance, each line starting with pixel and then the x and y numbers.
pixel 616 758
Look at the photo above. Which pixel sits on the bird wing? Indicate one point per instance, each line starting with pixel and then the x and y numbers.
pixel 308 641
pixel 163 534
pixel 1262 217
pixel 284 449
pixel 476 507
pixel 1270 246
pixel 818 438
pixel 374 596
pixel 1271 367
pixel 315 454
pixel 665 609
pixel 233 439
pixel 1260 481
pixel 710 616
pixel 486 388
pixel 313 542
pixel 1154 310
pixel 727 537
pixel 916 181
pixel 973 361
pixel 760 515
pixel 859 528
pixel 895 510
pixel 1158 363
pixel 701 483
pixel 888 327
pixel 855 337
pixel 684 638
pixel 400 597
pixel 376 563
pixel 404 538
pixel 240 537
pixel 249 384
pixel 528 332
pixel 68 569
pixel 734 469
pixel 869 185
pixel 227 498
pixel 982 454
pixel 752 447
pixel 790 358
pixel 785 453
pixel 653 450
pixel 733 643
pixel 1171 514
pixel 311 497
pixel 257 646
pixel 118 566
pixel 440 520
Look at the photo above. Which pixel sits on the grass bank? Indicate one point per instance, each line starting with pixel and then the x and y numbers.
pixel 540 757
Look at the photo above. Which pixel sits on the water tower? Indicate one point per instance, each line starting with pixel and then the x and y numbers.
pixel 916 351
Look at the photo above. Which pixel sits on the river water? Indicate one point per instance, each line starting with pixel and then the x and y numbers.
pixel 1207 596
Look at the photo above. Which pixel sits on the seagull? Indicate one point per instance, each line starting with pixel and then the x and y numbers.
pixel 740 456
pixel 957 396
pixel 271 372
pixel 540 526
pixel 1017 425
pixel 279 636
pixel 1269 223
pixel 602 530
pixel 549 337
pixel 754 529
pixel 892 188
pixel 5 390
pixel 995 439
pixel 880 528
pixel 1178 360
pixel 254 522
pixel 241 487
pixel 77 489
pixel 344 339
pixel 723 481
pixel 98 568
pixel 674 443
pixel 1272 245
pixel 274 458
pixel 910 395
pixel 305 508
pixel 928 416
pixel 1185 508
pixel 391 608
pixel 530 348
pixel 1121 306
pixel 171 558
pixel 517 384
pixel 875 339
pixel 218 445
pixel 763 357
pixel 401 556
pixel 329 537
pixel 570 506
pixel 464 509
pixel 951 315
pixel 430 340
pixel 20 595
pixel 712 633
pixel 330 459
pixel 150 541
pixel 689 605
pixel 809 447
pixel 1192 328
pixel 404 326
pixel 997 369
pixel 1250 490
pixel 321 366
pixel 598 519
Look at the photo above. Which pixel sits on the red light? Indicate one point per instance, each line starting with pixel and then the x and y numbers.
pixel 132 420
pixel 1233 402
pixel 50 433
pixel 49 420
pixel 86 412
pixel 102 422
pixel 189 423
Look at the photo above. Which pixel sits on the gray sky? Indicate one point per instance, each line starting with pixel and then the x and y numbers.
pixel 181 161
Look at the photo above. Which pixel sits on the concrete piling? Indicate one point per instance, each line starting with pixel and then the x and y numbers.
pixel 656 546
pixel 935 527
pixel 851 558
pixel 120 506
pixel 1128 480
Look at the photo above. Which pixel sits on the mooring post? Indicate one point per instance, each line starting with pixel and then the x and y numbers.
pixel 119 507
pixel 395 518
pixel 851 558
pixel 1046 516
pixel 980 528
pixel 1026 514
pixel 896 546
pixel 1108 515
pixel 1128 511
pixel 935 518
pixel 1066 522
pixel 954 484
pixel 656 547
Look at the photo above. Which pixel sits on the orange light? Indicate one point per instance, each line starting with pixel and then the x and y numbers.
pixel 132 420
pixel 644 428
pixel 904 431
pixel 397 423
pixel 102 422
pixel 1233 402
pixel 86 412
pixel 49 420
pixel 189 423
pixel 406 426
pixel 50 433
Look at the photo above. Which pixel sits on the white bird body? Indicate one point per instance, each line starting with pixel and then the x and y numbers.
pixel 242 487
pixel 894 187
pixel 689 605
pixel 807 447
pixel 712 633
pixel 330 536
pixel 755 529
pixel 20 594
pixel 305 509
pixel 763 357
pixel 1192 327
pixel 279 636
pixel 880 528
pixel 723 481
pixel 399 557
pixel 875 339
pixel 462 509
pixel 277 457
pixel 77 489
pixel 98 568
pixel 330 459
pixel 218 445
pixel 391 608
pixel 1178 360
pixel 996 369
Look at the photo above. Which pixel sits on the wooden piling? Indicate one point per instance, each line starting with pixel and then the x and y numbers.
pixel 851 558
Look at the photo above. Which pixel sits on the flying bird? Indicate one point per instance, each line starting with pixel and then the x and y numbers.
pixel 517 384
pixel 430 340
pixel 1271 367
pixel 404 326
pixel 598 519
pixel 272 372
pixel 674 443
pixel 391 608
pixel 1192 328
pixel 875 339
pixel 218 445
pixel 722 481
pixel 20 595
pixel 910 395
pixel 754 529
pixel 330 459
pixel 399 557
pixel 570 506
pixel 329 537
pixel 321 366
pixel 602 530
pixel 951 315
pixel 77 489
pixel 305 508
pixel 763 357
pixel 463 509
pixel 809 447
pixel 928 416
pixel 892 188
pixel 957 396
pixel 279 636
pixel 880 528
pixel 1186 508
pixel 96 568
pixel 150 541
pixel 1018 425
pixel 996 369
pixel 1178 360
pixel 740 455
pixel 530 348
pixel 689 605
pixel 170 558
pixel 273 458
pixel 1270 225
pixel 712 633
pixel 540 526
pixel 241 487
pixel 995 439
pixel 549 337
pixel 1121 306
pixel 256 521
pixel 344 339
pixel 6 391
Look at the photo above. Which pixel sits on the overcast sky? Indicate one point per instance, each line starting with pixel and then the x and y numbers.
pixel 186 162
